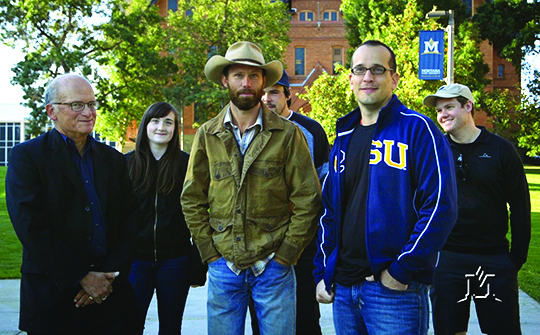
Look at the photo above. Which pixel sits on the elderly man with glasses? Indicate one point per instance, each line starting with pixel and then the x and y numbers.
pixel 478 262
pixel 390 201
pixel 72 206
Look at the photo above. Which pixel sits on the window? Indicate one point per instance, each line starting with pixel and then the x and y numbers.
pixel 500 71
pixel 468 5
pixel 98 138
pixel 330 15
pixel 337 58
pixel 10 135
pixel 306 16
pixel 299 61
pixel 173 5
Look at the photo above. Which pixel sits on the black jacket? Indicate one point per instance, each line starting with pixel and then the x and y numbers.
pixel 491 177
pixel 162 232
pixel 51 214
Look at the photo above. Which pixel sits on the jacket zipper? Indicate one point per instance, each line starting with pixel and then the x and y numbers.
pixel 155 226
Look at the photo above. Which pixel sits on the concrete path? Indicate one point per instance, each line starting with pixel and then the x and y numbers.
pixel 194 322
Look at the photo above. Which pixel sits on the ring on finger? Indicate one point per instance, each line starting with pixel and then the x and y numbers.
pixel 91 297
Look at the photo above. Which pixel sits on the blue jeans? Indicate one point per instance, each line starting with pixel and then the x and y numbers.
pixel 273 291
pixel 170 279
pixel 371 308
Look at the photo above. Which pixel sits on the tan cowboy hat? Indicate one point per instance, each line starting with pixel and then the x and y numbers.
pixel 245 53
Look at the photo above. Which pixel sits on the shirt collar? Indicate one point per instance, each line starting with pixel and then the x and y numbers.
pixel 228 119
pixel 69 141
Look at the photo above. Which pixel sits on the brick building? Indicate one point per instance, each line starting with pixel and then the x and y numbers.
pixel 318 41
pixel 502 73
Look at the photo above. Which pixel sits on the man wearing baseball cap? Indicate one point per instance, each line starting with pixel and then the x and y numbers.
pixel 251 198
pixel 477 260
pixel 278 99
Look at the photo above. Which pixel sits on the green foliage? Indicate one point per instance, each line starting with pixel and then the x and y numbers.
pixel 512 27
pixel 529 118
pixel 118 45
pixel 534 84
pixel 529 121
pixel 56 37
pixel 132 55
pixel 362 17
pixel 210 29
pixel 501 106
pixel 136 64
pixel 11 250
pixel 330 98
pixel 397 23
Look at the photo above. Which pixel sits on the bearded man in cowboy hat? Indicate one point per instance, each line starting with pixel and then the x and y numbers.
pixel 251 198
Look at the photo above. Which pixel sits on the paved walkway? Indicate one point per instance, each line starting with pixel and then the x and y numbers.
pixel 194 322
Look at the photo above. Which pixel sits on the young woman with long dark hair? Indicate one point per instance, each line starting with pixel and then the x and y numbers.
pixel 157 168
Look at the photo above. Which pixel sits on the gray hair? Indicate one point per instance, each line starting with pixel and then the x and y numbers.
pixel 53 89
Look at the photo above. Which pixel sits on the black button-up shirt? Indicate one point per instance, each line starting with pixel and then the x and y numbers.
pixel 86 169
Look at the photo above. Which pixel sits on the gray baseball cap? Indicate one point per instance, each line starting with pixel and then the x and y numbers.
pixel 448 92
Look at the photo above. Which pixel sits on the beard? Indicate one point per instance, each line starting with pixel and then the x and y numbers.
pixel 245 103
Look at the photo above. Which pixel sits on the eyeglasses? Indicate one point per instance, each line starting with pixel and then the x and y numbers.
pixel 376 70
pixel 78 106
pixel 461 171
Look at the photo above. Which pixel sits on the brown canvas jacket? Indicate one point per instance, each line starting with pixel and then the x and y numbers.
pixel 245 208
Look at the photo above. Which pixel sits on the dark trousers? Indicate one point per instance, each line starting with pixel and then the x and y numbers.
pixel 170 279
pixel 59 316
pixel 491 280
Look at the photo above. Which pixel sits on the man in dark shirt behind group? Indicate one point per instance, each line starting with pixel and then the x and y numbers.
pixel 476 260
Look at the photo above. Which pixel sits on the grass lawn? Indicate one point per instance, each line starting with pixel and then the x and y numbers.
pixel 10 247
pixel 529 276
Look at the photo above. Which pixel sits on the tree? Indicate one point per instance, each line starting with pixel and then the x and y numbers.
pixel 401 33
pixel 364 16
pixel 512 26
pixel 501 106
pixel 57 37
pixel 330 98
pixel 202 28
pixel 137 67
pixel 529 118
pixel 116 44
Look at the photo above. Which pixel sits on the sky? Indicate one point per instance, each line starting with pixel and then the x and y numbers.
pixel 8 92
